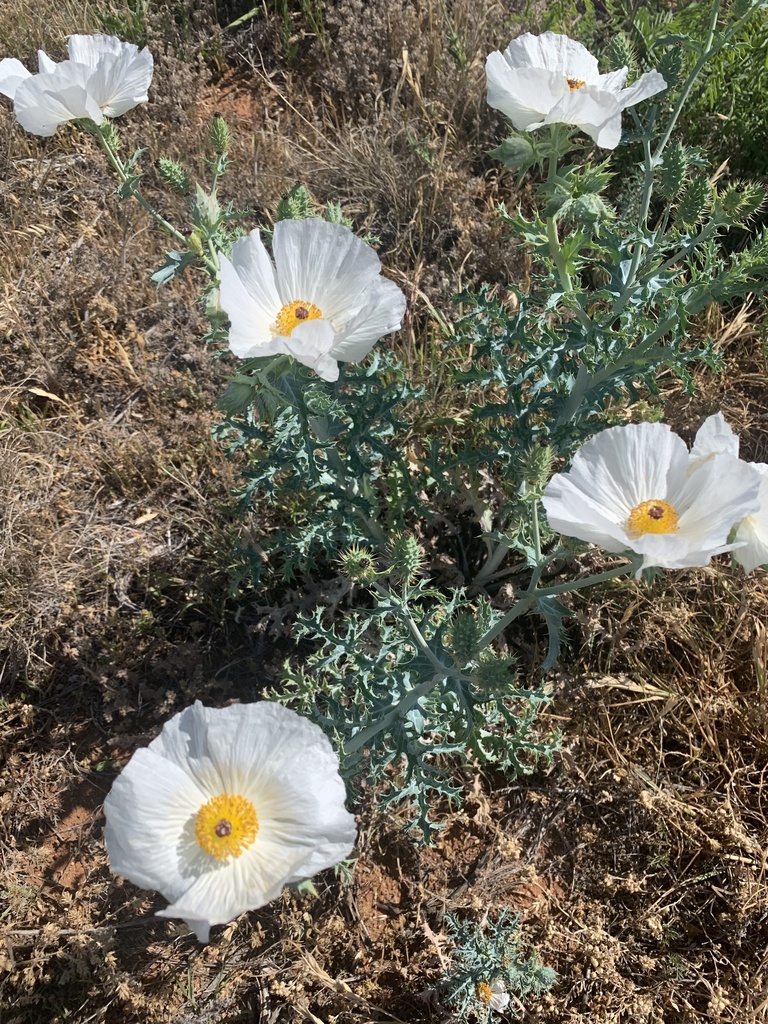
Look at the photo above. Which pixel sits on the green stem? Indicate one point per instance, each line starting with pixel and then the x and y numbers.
pixel 555 249
pixel 533 595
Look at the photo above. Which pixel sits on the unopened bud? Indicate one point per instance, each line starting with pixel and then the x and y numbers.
pixel 194 243
pixel 465 633
pixel 494 676
pixel 406 558
pixel 535 465
pixel 621 53
pixel 173 176
pixel 219 134
pixel 358 564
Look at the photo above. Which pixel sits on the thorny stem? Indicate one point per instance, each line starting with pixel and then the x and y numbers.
pixel 533 595
pixel 212 264
pixel 652 160
pixel 555 249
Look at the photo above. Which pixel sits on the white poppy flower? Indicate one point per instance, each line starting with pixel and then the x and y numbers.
pixel 494 994
pixel 322 302
pixel 551 79
pixel 224 808
pixel 633 487
pixel 716 437
pixel 103 77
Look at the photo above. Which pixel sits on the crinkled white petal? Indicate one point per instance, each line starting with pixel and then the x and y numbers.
pixel 120 82
pixel 524 95
pixel 12 74
pixel 325 264
pixel 311 344
pixel 263 752
pixel 499 1000
pixel 752 533
pixel 714 437
pixel 45 101
pixel 44 63
pixel 646 86
pixel 89 49
pixel 148 812
pixel 248 294
pixel 595 111
pixel 554 52
pixel 613 81
pixel 382 314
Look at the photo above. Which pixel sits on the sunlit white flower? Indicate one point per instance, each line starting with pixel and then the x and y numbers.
pixel 494 994
pixel 637 487
pixel 103 77
pixel 714 438
pixel 224 808
pixel 551 79
pixel 323 301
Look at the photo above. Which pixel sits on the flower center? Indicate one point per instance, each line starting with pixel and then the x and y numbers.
pixel 484 992
pixel 294 313
pixel 226 826
pixel 653 516
pixel 575 83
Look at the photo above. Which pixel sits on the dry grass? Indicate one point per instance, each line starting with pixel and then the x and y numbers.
pixel 638 861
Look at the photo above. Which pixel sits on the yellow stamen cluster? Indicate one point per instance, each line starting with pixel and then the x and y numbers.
pixel 226 826
pixel 575 83
pixel 484 992
pixel 294 313
pixel 653 516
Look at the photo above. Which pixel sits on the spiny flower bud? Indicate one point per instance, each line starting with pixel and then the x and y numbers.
pixel 621 52
pixel 109 134
pixel 534 466
pixel 494 676
pixel 406 557
pixel 465 633
pixel 173 176
pixel 219 134
pixel 357 563
pixel 195 244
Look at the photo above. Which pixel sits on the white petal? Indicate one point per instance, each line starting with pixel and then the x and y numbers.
pixel 249 297
pixel 325 264
pixel 596 112
pixel 12 74
pixel 120 83
pixel 555 52
pixel 716 496
pixel 524 95
pixel 613 81
pixel 45 101
pixel 499 1000
pixel 311 343
pixel 382 314
pixel 646 86
pixel 44 63
pixel 184 742
pixel 570 512
pixel 89 49
pixel 753 530
pixel 149 810
pixel 714 437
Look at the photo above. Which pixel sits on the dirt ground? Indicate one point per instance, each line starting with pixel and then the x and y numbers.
pixel 637 860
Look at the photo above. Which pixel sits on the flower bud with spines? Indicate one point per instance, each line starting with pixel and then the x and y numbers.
pixel 219 134
pixel 494 676
pixel 465 634
pixel 673 170
pixel 534 466
pixel 296 205
pixel 357 563
pixel 406 558
pixel 670 65
pixel 694 202
pixel 620 53
pixel 173 176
